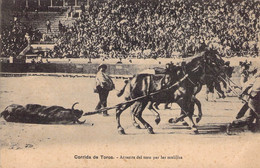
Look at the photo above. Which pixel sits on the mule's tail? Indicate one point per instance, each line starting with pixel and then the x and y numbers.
pixel 120 93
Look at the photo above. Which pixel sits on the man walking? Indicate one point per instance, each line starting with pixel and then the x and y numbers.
pixel 104 84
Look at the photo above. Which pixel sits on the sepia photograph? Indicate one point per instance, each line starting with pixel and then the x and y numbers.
pixel 129 83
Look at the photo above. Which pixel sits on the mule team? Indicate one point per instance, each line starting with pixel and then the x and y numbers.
pixel 174 84
pixel 180 84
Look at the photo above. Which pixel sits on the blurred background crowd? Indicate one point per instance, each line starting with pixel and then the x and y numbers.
pixel 15 37
pixel 149 29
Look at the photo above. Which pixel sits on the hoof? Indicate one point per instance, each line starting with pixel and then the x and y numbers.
pixel 121 131
pixel 173 120
pixel 198 119
pixel 170 120
pixel 157 120
pixel 185 123
pixel 150 130
pixel 137 126
pixel 195 130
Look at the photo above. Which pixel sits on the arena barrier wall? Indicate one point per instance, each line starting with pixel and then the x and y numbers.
pixel 118 71
pixel 113 69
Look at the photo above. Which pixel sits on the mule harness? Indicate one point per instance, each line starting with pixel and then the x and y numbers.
pixel 141 97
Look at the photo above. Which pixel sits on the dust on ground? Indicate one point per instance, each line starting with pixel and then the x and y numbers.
pixel 56 145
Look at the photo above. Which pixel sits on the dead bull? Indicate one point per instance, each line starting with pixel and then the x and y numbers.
pixel 35 113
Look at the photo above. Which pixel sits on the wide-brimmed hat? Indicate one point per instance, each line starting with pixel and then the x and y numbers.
pixel 102 66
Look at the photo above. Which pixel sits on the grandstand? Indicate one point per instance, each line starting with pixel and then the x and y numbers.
pixel 119 29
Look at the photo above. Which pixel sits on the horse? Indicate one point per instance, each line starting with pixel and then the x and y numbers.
pixel 184 81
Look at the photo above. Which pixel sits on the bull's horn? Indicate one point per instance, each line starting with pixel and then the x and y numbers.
pixel 81 122
pixel 74 105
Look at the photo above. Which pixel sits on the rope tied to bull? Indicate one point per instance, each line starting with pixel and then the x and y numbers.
pixel 136 99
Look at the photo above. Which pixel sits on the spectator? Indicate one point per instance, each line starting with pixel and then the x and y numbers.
pixel 60 27
pixel 28 38
pixel 48 25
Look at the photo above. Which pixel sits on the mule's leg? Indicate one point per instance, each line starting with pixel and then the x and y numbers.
pixel 156 105
pixel 134 121
pixel 190 114
pixel 210 91
pixel 155 112
pixel 139 107
pixel 119 111
pixel 197 102
pixel 180 118
pixel 152 109
pixel 187 106
pixel 207 93
pixel 183 114
pixel 219 90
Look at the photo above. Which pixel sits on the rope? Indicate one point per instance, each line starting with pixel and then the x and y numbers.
pixel 232 81
pixel 135 99
pixel 237 94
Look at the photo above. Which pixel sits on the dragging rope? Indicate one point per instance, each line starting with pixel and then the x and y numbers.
pixel 136 99
pixel 237 94
pixel 230 87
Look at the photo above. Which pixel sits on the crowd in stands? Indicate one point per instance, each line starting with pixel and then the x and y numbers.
pixel 15 37
pixel 160 28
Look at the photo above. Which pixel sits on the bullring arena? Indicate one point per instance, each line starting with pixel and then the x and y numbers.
pixel 43 144
pixel 50 52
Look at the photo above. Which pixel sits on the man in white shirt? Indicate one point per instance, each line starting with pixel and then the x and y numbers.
pixel 250 94
pixel 104 84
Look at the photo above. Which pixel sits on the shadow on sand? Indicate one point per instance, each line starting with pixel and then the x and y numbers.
pixel 210 128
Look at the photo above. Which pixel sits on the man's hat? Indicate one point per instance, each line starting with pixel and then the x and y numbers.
pixel 102 66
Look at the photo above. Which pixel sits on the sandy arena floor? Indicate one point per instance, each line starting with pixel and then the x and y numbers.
pixel 49 146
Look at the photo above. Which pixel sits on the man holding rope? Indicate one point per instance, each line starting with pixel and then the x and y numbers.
pixel 104 85
pixel 251 95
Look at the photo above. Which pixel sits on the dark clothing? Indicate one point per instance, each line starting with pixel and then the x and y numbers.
pixel 254 106
pixel 60 27
pixel 104 84
pixel 103 94
pixel 246 121
pixel 48 24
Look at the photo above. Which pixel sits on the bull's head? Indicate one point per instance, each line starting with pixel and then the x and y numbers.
pixel 77 113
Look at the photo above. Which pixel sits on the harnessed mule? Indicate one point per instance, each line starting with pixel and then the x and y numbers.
pixel 191 74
